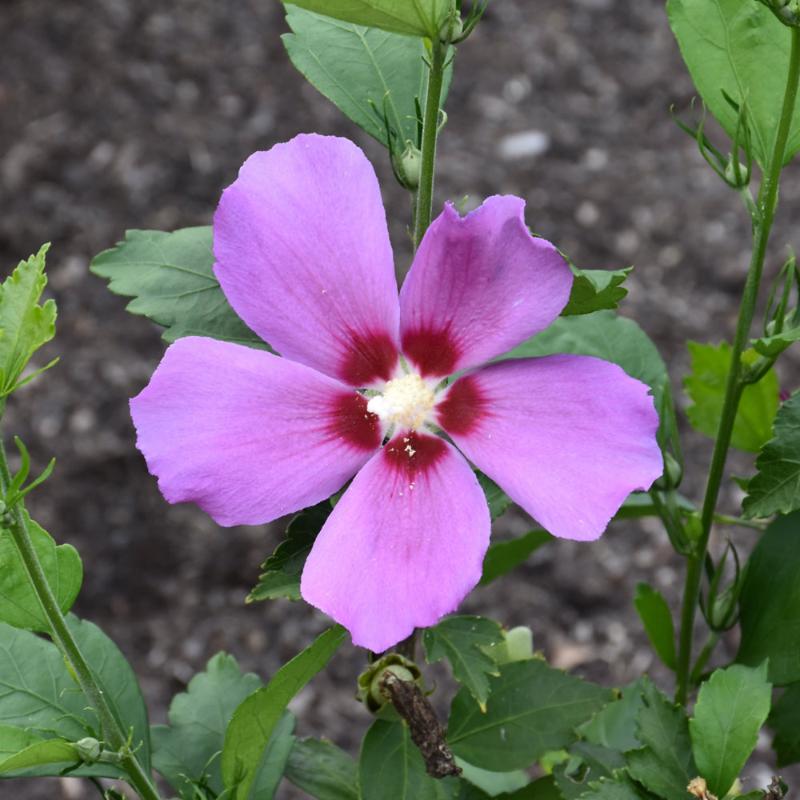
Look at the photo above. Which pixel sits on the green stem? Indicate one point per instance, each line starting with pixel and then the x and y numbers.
pixel 430 132
pixel 767 203
pixel 113 732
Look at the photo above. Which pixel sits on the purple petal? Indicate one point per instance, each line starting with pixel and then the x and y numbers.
pixel 247 435
pixel 567 437
pixel 303 256
pixel 479 286
pixel 403 546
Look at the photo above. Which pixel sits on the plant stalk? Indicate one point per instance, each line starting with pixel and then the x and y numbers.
pixel 767 203
pixel 116 738
pixel 430 133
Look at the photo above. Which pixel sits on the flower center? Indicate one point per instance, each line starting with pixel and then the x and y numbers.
pixel 405 402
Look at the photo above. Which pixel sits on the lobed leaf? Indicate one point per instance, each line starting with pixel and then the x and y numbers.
pixel 731 707
pixel 253 722
pixel 775 489
pixel 705 386
pixel 739 50
pixel 664 764
pixel 281 572
pixel 186 752
pixel 462 641
pixel 532 708
pixel 19 605
pixel 596 290
pixel 171 279
pixel 322 770
pixel 365 72
pixel 24 324
pixel 415 18
pixel 770 602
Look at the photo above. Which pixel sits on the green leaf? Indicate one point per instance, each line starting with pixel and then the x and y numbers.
pixel 770 602
pixel 171 278
pixel 493 783
pixel 613 338
pixel 595 290
pixel 417 18
pixel 657 620
pixel 254 720
pixel 38 694
pixel 731 707
pixel 612 788
pixel 461 640
pixel 281 572
pixel 706 389
pixel 186 752
pixel 741 50
pixel 496 498
pixel 664 765
pixel 322 770
pixel 44 753
pixel 775 489
pixel 532 708
pixel 24 324
pixel 13 740
pixel 502 557
pixel 784 719
pixel 614 726
pixel 62 565
pixel 273 762
pixel 391 768
pixel 772 346
pixel 365 72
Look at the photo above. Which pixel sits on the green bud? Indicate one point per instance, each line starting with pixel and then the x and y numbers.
pixel 694 527
pixel 89 750
pixel 452 29
pixel 787 11
pixel 410 166
pixel 370 681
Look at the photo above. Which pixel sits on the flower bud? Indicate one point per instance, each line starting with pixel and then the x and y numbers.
pixel 452 29
pixel 410 167
pixel 787 11
pixel 89 750
pixel 721 609
pixel 370 683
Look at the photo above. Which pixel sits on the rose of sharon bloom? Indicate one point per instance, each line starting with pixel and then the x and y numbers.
pixel 303 256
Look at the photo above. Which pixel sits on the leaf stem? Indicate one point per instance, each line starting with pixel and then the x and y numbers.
pixel 113 732
pixel 430 133
pixel 767 203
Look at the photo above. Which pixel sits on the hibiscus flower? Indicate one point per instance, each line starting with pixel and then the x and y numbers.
pixel 360 390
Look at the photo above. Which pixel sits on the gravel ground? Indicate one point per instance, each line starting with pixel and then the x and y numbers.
pixel 118 114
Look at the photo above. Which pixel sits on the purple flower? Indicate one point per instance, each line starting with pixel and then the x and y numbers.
pixel 303 256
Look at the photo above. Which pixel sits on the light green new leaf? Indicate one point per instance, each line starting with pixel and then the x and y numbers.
pixel 502 557
pixel 532 708
pixel 742 50
pixel 24 324
pixel 461 640
pixel 38 693
pixel 38 754
pixel 705 386
pixel 62 565
pixel 493 783
pixel 390 767
pixel 13 740
pixel 773 346
pixel 595 290
pixel 664 764
pixel 657 620
pixel 281 572
pixel 171 278
pixel 410 17
pixel 322 770
pixel 255 719
pixel 775 489
pixel 186 752
pixel 364 72
pixel 731 707
pixel 770 602
pixel 784 719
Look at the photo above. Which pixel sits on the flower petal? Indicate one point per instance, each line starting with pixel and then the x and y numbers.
pixel 303 256
pixel 567 437
pixel 247 435
pixel 403 546
pixel 479 286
